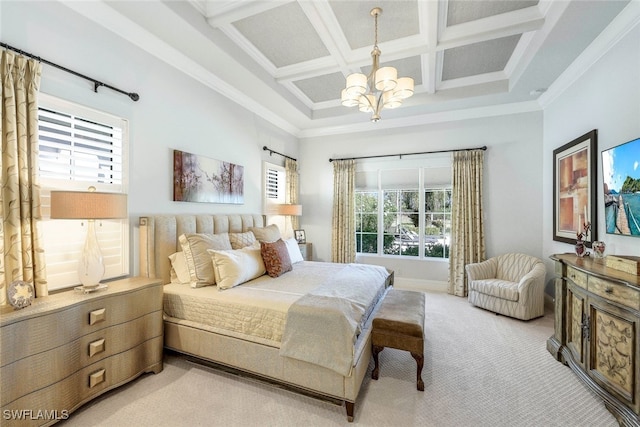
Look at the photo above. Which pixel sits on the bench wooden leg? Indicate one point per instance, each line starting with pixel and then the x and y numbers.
pixel 350 407
pixel 376 371
pixel 420 362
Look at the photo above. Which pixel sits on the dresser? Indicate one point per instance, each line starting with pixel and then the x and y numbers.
pixel 68 348
pixel 597 331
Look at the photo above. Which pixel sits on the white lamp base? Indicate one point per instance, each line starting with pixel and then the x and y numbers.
pixel 91 265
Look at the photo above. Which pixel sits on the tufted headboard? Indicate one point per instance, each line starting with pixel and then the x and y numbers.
pixel 159 236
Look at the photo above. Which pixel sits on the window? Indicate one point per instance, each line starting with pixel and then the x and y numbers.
pixel 80 147
pixel 404 212
pixel 275 186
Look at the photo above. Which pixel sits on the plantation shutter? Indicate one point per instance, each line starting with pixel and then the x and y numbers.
pixel 80 147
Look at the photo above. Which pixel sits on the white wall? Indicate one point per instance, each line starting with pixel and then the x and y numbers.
pixel 606 98
pixel 512 181
pixel 174 111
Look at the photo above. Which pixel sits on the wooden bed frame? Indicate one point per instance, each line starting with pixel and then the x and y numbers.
pixel 159 239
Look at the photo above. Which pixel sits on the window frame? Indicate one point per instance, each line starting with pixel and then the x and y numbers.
pixel 113 235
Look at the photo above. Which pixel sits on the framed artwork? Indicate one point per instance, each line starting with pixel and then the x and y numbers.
pixel 201 179
pixel 574 189
pixel 300 236
pixel 621 179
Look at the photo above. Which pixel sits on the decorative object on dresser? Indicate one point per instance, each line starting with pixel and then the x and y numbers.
pixel 89 205
pixel 574 189
pixel 20 294
pixel 597 331
pixel 300 236
pixel 626 263
pixel 68 348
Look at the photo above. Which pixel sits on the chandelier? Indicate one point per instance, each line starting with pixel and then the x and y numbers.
pixel 381 88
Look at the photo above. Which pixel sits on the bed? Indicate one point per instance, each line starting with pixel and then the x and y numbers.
pixel 262 326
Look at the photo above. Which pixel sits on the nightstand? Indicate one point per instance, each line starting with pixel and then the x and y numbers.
pixel 68 348
pixel 306 250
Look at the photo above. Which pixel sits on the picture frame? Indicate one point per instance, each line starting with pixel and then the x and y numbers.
pixel 574 189
pixel 300 236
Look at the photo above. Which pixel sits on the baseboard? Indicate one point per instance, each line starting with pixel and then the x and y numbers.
pixel 419 285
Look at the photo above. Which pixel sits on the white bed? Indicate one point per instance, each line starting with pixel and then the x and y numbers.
pixel 204 322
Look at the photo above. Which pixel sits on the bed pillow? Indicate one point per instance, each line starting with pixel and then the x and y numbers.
pixel 270 233
pixel 195 247
pixel 179 269
pixel 232 268
pixel 241 240
pixel 294 250
pixel 276 257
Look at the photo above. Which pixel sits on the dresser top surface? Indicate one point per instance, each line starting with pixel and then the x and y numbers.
pixel 66 299
pixel 597 268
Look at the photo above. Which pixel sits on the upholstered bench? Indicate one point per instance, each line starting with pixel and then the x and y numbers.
pixel 399 324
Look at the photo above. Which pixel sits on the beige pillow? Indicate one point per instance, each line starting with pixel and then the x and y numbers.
pixel 195 247
pixel 269 234
pixel 235 267
pixel 241 240
pixel 179 269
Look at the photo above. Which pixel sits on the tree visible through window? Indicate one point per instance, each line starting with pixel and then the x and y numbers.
pixel 406 222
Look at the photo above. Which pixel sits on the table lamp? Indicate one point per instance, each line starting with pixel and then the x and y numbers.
pixel 89 205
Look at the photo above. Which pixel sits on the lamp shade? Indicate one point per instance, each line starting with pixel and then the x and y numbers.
pixel 289 209
pixel 88 205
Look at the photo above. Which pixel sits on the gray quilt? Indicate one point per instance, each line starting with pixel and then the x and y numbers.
pixel 323 325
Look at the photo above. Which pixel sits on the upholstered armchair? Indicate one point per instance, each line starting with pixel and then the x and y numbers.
pixel 509 284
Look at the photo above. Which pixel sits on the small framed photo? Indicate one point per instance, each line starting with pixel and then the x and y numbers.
pixel 300 236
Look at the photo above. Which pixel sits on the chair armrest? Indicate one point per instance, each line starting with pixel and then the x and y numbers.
pixel 533 279
pixel 482 270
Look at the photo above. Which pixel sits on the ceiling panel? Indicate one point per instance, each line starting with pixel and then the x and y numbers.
pixel 461 11
pixel 478 58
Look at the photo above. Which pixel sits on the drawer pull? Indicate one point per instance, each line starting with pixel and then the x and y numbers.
pixel 608 290
pixel 97 378
pixel 97 316
pixel 96 347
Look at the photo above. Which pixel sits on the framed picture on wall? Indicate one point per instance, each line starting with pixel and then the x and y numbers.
pixel 574 189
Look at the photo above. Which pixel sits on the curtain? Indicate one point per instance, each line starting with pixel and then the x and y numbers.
pixel 291 196
pixel 467 225
pixel 21 253
pixel 343 237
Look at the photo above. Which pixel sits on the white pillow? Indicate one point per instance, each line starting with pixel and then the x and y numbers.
pixel 269 234
pixel 235 267
pixel 194 246
pixel 294 250
pixel 179 269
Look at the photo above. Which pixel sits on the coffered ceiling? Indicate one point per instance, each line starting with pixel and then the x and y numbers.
pixel 287 60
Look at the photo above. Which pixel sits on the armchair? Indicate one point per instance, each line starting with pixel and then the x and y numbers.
pixel 509 284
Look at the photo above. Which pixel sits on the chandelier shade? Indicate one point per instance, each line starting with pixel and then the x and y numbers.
pixel 381 88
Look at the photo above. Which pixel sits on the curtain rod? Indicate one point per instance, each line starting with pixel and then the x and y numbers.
pixel 96 83
pixel 411 154
pixel 265 148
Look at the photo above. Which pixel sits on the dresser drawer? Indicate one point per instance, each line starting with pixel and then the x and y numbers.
pixel 43 369
pixel 88 383
pixel 615 292
pixel 39 334
pixel 578 277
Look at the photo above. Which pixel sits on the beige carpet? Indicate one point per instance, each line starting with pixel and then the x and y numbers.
pixel 480 370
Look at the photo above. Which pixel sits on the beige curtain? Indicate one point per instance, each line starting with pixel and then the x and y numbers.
pixel 21 254
pixel 291 168
pixel 343 237
pixel 467 225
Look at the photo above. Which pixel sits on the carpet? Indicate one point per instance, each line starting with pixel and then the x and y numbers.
pixel 479 370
